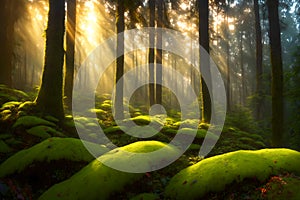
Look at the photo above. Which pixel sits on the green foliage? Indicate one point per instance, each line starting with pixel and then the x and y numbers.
pixel 8 94
pixel 49 150
pixel 97 181
pixel 199 179
pixel 241 118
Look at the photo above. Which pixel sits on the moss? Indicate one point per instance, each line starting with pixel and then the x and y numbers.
pixel 51 119
pixel 5 136
pixel 30 121
pixel 141 120
pixel 44 132
pixel 279 188
pixel 213 174
pixel 46 151
pixel 188 123
pixel 113 129
pixel 146 196
pixel 10 105
pixel 97 181
pixel 4 148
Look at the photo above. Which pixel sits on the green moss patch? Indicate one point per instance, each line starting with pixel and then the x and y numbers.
pixel 97 181
pixel 46 151
pixel 30 121
pixel 44 132
pixel 4 148
pixel 213 174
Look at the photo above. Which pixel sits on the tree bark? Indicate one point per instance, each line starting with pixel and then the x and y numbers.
pixel 277 73
pixel 259 69
pixel 6 39
pixel 151 52
pixel 70 52
pixel 160 12
pixel 204 61
pixel 50 100
pixel 119 107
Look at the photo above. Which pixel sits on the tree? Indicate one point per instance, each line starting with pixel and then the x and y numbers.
pixel 204 42
pixel 10 12
pixel 50 100
pixel 151 51
pixel 277 73
pixel 160 12
pixel 70 52
pixel 259 70
pixel 120 26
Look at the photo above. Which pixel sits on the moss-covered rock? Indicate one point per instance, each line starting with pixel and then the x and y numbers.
pixel 146 196
pixel 282 187
pixel 49 150
pixel 97 181
pixel 31 121
pixel 44 132
pixel 213 174
pixel 4 148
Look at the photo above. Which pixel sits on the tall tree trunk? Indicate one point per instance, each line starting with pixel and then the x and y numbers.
pixel 160 13
pixel 228 81
pixel 151 52
pixel 204 61
pixel 277 73
pixel 259 70
pixel 119 107
pixel 243 85
pixel 6 38
pixel 50 100
pixel 70 52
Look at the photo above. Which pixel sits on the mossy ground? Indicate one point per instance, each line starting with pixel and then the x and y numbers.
pixel 23 129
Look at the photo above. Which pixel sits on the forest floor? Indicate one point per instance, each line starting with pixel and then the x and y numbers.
pixel 44 158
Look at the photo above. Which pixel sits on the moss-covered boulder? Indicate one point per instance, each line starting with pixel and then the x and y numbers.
pixel 97 181
pixel 282 187
pixel 213 174
pixel 4 148
pixel 44 132
pixel 31 121
pixel 46 151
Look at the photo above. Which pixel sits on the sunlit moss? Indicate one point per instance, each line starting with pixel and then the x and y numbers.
pixel 213 174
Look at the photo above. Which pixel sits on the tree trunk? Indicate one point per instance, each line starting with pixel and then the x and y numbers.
pixel 160 10
pixel 6 39
pixel 151 52
pixel 259 70
pixel 70 52
pixel 243 80
pixel 204 42
pixel 228 81
pixel 50 100
pixel 119 108
pixel 277 74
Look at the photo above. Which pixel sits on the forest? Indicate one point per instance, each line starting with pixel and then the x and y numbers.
pixel 150 99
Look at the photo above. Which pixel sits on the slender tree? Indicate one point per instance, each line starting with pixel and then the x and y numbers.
pixel 70 52
pixel 259 69
pixel 10 11
pixel 160 12
pixel 50 100
pixel 277 73
pixel 120 26
pixel 151 52
pixel 204 61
